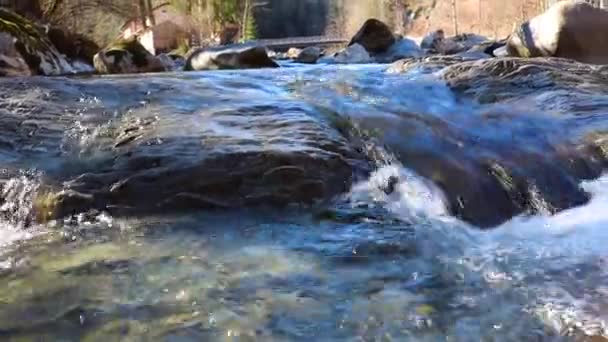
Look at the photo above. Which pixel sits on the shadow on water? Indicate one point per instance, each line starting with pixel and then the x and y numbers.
pixel 385 259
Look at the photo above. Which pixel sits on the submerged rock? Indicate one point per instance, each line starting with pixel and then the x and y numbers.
pixel 23 44
pixel 577 86
pixel 375 36
pixel 426 64
pixel 286 156
pixel 568 29
pixel 533 164
pixel 238 56
pixel 127 56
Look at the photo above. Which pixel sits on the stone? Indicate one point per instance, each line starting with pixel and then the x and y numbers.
pixel 490 48
pixel 22 44
pixel 293 53
pixel 126 56
pixel 354 54
pixel 309 55
pixel 430 41
pixel 238 56
pixel 375 36
pixel 402 48
pixel 437 42
pixel 11 62
pixel 193 145
pixel 168 62
pixel 532 165
pixel 568 29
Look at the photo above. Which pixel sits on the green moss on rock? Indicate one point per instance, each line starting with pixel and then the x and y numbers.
pixel 33 44
pixel 132 46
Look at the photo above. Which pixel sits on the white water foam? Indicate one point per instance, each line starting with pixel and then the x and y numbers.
pixel 542 257
pixel 18 194
pixel 410 195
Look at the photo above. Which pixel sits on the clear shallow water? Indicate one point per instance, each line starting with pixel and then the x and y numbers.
pixel 376 266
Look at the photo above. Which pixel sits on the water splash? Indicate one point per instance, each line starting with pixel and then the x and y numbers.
pixel 402 192
pixel 18 194
pixel 16 211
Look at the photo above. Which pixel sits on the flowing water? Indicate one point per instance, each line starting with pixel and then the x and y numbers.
pixel 384 260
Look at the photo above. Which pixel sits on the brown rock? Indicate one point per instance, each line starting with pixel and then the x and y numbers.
pixel 375 36
pixel 569 29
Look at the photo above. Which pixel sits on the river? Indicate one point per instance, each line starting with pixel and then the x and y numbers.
pixel 302 203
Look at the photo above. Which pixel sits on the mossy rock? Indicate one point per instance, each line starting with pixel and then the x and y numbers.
pixel 33 45
pixel 126 56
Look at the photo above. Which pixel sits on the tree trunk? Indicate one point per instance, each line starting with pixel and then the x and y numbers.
pixel 455 16
pixel 479 17
pixel 142 13
pixel 150 12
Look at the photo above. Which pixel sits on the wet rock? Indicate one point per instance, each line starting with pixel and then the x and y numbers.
pixel 309 55
pixel 568 29
pixel 437 42
pixel 431 40
pixel 375 36
pixel 286 156
pixel 126 56
pixel 239 56
pixel 11 62
pixel 169 63
pixel 541 172
pixel 577 86
pixel 557 161
pixel 426 64
pixel 23 44
pixel 354 54
pixel 402 48
pixel 488 47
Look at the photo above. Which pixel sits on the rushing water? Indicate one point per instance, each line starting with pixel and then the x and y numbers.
pixel 377 264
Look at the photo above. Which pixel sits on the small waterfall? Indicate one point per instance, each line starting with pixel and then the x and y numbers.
pixel 18 195
pixel 17 207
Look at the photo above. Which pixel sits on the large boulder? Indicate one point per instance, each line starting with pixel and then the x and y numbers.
pixel 11 61
pixel 22 44
pixel 354 54
pixel 194 145
pixel 309 55
pixel 238 56
pixel 535 163
pixel 568 29
pixel 402 48
pixel 375 36
pixel 126 57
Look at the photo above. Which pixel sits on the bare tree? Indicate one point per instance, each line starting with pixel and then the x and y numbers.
pixel 455 16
